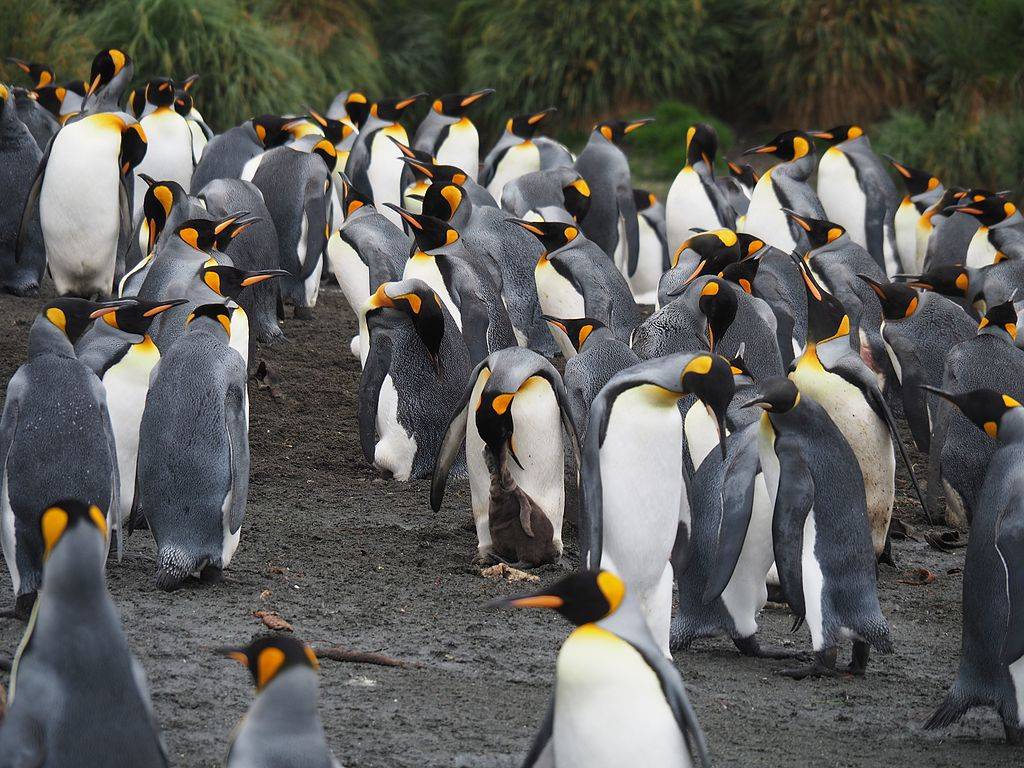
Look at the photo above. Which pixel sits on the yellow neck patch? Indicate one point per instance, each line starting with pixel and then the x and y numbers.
pixel 268 665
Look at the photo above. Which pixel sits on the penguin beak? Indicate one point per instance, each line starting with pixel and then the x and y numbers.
pixel 940 392
pixel 529 226
pixel 403 148
pixel 637 124
pixel 412 161
pixel 537 600
pixel 252 278
pixel 476 96
pixel 169 304
pixel 827 135
pixel 96 314
pixel 874 284
pixel 538 116
pixel 238 654
pixel 762 149
pixel 756 401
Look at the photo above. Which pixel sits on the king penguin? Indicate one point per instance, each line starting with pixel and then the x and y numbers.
pixel 695 202
pixel 1000 231
pixel 514 154
pixel 923 191
pixel 19 159
pixel 235 153
pixel 617 700
pixel 168 139
pixel 74 661
pixel 653 256
pixel 110 77
pixel 448 135
pixel 555 194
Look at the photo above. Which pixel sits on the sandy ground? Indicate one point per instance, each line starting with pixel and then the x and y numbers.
pixel 352 560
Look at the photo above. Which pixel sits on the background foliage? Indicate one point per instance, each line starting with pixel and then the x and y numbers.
pixel 937 83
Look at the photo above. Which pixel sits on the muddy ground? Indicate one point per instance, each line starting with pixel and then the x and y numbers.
pixel 352 560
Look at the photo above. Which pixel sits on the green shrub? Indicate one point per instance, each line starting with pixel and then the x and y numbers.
pixel 657 151
pixel 43 31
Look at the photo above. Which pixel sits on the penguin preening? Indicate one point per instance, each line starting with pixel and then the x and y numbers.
pixel 617 700
pixel 695 202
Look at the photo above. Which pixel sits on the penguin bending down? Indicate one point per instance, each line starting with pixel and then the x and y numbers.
pixel 516 466
pixel 228 155
pixel 653 258
pixel 706 253
pixel 74 661
pixel 992 652
pixel 415 369
pixel 56 440
pixel 193 464
pixel 435 174
pixel 695 202
pixel 617 700
pixel 923 191
pixel 738 188
pixel 282 728
pixel 820 531
pixel 448 135
pixel 83 191
pixel 514 154
pixel 634 492
pixel 555 194
pixel 169 141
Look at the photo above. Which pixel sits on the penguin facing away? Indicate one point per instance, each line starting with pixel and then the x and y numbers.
pixel 653 258
pixel 111 74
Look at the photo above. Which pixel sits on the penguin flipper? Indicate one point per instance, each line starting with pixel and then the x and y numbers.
pixel 793 503
pixel 376 368
pixel 627 210
pixel 591 494
pixel 236 424
pixel 542 751
pixel 31 203
pixel 915 406
pixel 1010 545
pixel 99 393
pixel 739 477
pixel 453 440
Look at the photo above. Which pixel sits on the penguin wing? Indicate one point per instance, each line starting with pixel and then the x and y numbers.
pixel 314 208
pixel 236 423
pixel 100 394
pixel 453 440
pixel 375 369
pixel 9 421
pixel 1010 545
pixel 31 203
pixel 719 201
pixel 126 232
pixel 542 751
pixel 793 503
pixel 627 210
pixel 913 375
pixel 739 477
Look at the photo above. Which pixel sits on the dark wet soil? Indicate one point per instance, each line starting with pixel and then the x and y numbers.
pixel 350 559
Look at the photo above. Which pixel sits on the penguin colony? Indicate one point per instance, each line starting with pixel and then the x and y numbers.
pixel 739 439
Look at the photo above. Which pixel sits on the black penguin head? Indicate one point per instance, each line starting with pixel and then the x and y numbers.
pixel 983 407
pixel 989 210
pixel 456 104
pixel 357 107
pixel 949 280
pixel 742 273
pixel 899 300
pixel 326 151
pixel 615 130
pixel 183 103
pixel 826 316
pixel 65 515
pixel 583 597
pixel 423 167
pixel 577 329
pixel 160 199
pixel 701 145
pixel 743 173
pixel 72 316
pixel 643 199
pixel 819 232
pixel 107 65
pixel 494 422
pixel 229 281
pixel 709 378
pixel 417 300
pixel 352 199
pixel 213 235
pixel 839 134
pixel 750 244
pixel 525 126
pixel 576 197
pixel 716 249
pixel 160 92
pixel 917 182
pixel 552 234
pixel 133 146
pixel 787 146
pixel 40 74
pixel 442 200
pixel 335 131
pixel 51 98
pixel 216 313
pixel 429 232
pixel 717 303
pixel 274 130
pixel 391 109
pixel 1003 316
pixel 777 395
pixel 136 316
pixel 136 103
pixel 268 656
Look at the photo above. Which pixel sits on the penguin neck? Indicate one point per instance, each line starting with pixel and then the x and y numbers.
pixel 1011 426
pixel 44 338
pixel 996 331
pixel 292 695
pixel 801 168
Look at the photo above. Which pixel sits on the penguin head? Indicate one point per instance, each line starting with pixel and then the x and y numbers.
pixel 839 134
pixel 4 96
pixel 41 74
pixel 949 280
pixel 183 103
pixel 211 316
pixel 583 597
pixel 429 232
pixel 777 395
pixel 740 371
pixel 643 199
pixel 51 98
pixel 109 65
pixel 160 198
pixel 819 232
pixel 715 249
pixel 494 422
pixel 615 130
pixel 274 130
pixel 229 281
pixel 74 535
pixel 525 126
pixel 576 197
pixel 419 302
pixel 352 198
pixel 985 408
pixel 268 656
pixel 742 273
pixel 391 110
pixel 1002 317
pixel 72 315
pixel 357 107
pixel 424 167
pixel 744 174
pixel 133 146
pixel 899 300
pixel 160 92
pixel 701 145
pixel 136 101
pixel 787 146
pixel 577 329
pixel 326 151
pixel 709 378
pixel 750 245
pixel 136 316
pixel 443 199
pixel 917 182
pixel 208 235
pixel 717 302
pixel 826 316
pixel 989 210
pixel 456 104
pixel 553 235
pixel 335 131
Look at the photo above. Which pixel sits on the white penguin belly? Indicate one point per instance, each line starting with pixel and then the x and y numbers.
pixel 520 159
pixel 385 170
pixel 396 448
pixel 168 152
pixel 906 235
pixel 644 282
pixel 558 298
pixel 841 195
pixel 746 593
pixel 610 710
pixel 79 208
pixel 461 148
pixel 686 207
pixel 924 231
pixel 813 582
pixel 251 166
pixel 980 252
pixel 7 538
pixel 1017 675
pixel 349 270
pixel 765 218
pixel 199 141
pixel 701 433
pixel 479 475
pixel 425 268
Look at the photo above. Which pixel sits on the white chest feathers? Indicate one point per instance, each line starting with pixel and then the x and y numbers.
pixel 841 194
pixel 520 159
pixel 765 218
pixel 687 207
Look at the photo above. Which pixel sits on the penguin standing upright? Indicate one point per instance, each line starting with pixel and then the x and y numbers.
pixel 19 159
pixel 610 220
pixel 992 651
pixel 282 728
pixel 820 530
pixel 193 464
pixel 110 77
pixel 858 194
pixel 923 191
pixel 634 492
pixel 235 153
pixel 784 185
pixel 41 123
pixel 653 256
pixel 695 202
pixel 1001 230
pixel 943 233
pixel 168 139
pixel 515 460
pixel 514 154
pixel 74 660
pixel 617 700
pixel 448 135
pixel 55 440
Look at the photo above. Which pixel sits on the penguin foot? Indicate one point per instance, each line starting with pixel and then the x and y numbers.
pixel 23 290
pixel 211 574
pixel 303 313
pixel 859 663
pixel 749 646
pixel 823 665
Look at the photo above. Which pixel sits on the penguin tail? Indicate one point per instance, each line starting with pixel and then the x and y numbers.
pixel 173 568
pixel 952 708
